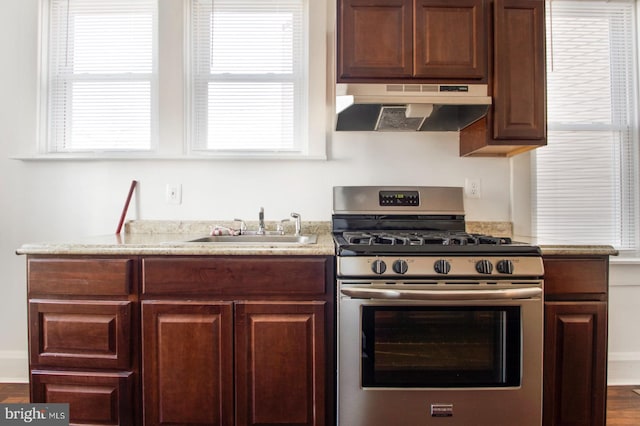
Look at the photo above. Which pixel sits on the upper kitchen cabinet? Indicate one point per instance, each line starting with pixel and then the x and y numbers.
pixel 411 40
pixel 517 121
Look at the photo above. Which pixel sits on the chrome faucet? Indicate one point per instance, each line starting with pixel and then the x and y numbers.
pixel 298 219
pixel 243 226
pixel 261 229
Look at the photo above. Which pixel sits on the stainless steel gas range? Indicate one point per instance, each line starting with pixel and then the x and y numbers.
pixel 435 326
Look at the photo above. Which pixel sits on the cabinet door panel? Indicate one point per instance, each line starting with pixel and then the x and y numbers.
pixel 280 362
pixel 80 334
pixel 450 39
pixel 187 363
pixel 375 38
pixel 575 363
pixel 519 92
pixel 93 398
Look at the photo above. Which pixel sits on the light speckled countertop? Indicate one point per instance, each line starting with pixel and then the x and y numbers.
pixel 564 249
pixel 170 238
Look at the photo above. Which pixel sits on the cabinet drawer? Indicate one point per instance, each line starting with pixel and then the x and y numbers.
pixel 236 276
pixel 98 277
pixel 93 398
pixel 575 275
pixel 88 334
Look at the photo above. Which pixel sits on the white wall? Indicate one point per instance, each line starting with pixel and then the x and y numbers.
pixel 624 317
pixel 54 200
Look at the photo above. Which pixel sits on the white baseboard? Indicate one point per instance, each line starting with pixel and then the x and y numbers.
pixel 623 369
pixel 14 367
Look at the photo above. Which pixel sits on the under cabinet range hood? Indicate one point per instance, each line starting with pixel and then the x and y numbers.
pixel 410 107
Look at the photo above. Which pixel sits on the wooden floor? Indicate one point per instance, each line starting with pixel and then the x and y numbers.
pixel 623 404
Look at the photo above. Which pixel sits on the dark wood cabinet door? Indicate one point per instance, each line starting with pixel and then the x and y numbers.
pixel 93 398
pixel 519 70
pixel 450 39
pixel 575 363
pixel 280 363
pixel 187 363
pixel 375 39
pixel 80 334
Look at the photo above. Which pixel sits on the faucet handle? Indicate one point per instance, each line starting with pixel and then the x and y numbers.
pixel 280 226
pixel 298 219
pixel 261 227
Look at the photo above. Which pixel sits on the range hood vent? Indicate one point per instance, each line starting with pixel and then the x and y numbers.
pixel 410 107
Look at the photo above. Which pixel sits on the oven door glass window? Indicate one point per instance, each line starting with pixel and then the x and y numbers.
pixel 422 347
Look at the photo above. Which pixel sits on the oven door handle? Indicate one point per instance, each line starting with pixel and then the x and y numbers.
pixel 499 294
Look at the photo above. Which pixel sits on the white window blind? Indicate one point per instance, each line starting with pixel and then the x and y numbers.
pixel 585 178
pixel 249 75
pixel 101 75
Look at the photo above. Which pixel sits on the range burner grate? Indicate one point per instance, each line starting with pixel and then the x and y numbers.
pixel 421 238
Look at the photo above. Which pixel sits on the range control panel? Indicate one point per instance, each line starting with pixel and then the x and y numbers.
pixel 399 198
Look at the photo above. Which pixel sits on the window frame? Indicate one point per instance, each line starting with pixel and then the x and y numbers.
pixel 314 123
pixel 628 237
pixel 45 146
pixel 202 77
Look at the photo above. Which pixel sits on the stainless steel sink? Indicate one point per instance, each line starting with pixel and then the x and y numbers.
pixel 258 239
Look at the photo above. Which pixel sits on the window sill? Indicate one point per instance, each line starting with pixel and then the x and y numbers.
pixel 152 157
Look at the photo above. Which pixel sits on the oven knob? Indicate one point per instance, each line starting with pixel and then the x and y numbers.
pixel 505 266
pixel 378 267
pixel 400 266
pixel 442 266
pixel 484 267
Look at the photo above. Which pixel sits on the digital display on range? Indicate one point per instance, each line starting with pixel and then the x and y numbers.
pixel 399 198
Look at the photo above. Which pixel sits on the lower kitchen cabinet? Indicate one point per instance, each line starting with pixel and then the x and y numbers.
pixel 82 323
pixel 575 348
pixel 238 340
pixel 176 340
pixel 192 368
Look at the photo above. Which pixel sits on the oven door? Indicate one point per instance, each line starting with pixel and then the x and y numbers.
pixel 422 357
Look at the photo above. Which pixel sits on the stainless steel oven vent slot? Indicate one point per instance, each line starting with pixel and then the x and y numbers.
pixel 462 282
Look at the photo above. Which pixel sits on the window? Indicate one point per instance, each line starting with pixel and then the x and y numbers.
pixel 101 79
pixel 585 179
pixel 249 75
pixel 183 79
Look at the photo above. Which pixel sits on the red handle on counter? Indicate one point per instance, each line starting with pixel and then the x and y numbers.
pixel 126 205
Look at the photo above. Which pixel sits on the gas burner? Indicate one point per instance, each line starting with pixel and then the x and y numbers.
pixel 420 238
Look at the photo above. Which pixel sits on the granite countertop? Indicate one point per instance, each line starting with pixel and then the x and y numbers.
pixel 560 248
pixel 171 238
pixel 557 248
